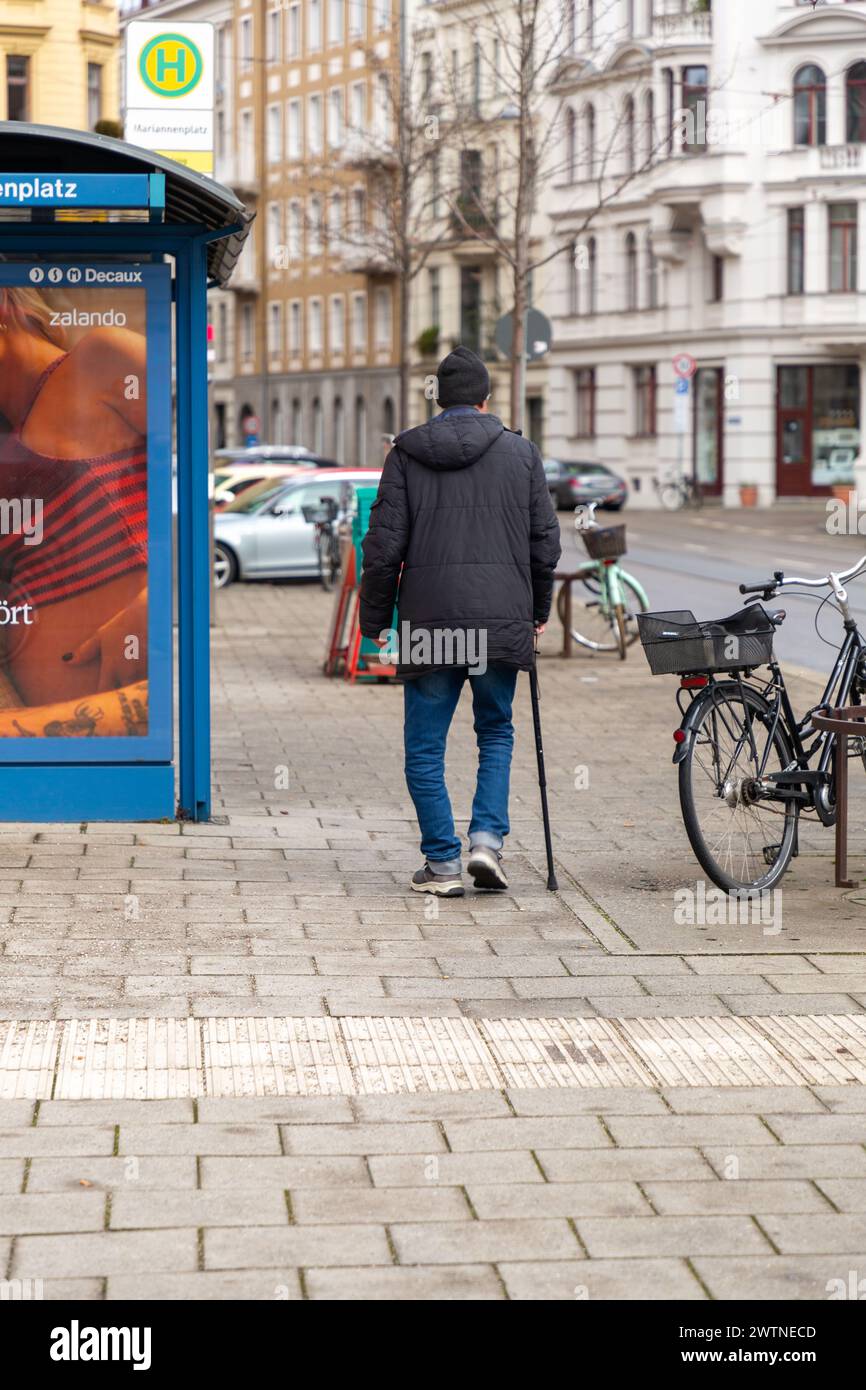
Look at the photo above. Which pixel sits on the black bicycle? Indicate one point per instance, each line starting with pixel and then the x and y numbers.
pixel 327 540
pixel 748 767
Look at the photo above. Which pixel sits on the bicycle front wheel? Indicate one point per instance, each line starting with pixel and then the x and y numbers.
pixel 671 497
pixel 329 562
pixel 594 621
pixel 743 843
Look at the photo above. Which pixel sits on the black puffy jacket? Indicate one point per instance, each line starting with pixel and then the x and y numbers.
pixel 463 506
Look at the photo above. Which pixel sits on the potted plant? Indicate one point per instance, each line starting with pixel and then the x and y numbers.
pixel 428 341
pixel 748 494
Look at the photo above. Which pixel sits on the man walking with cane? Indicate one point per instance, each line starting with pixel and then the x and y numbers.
pixel 464 536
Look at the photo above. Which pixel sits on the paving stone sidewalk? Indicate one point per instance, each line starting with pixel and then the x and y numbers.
pixel 294 902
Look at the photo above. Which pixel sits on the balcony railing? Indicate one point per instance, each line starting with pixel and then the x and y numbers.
pixel 474 214
pixel 686 27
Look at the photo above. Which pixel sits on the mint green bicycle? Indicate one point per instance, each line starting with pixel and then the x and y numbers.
pixel 605 601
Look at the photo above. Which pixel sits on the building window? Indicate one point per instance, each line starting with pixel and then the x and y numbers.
pixel 316 228
pixel 17 87
pixel 652 275
pixel 470 306
pixel 296 328
pixel 388 417
pixel 314 17
pixel 272 36
pixel 476 77
pixel 275 134
pixel 357 18
pixel 382 112
pixel 590 23
pixel 855 99
pixel 649 121
pixel 358 100
pixel 592 276
pixel 574 254
pixel 246 144
pixel 433 280
pixel 336 22
pixel 383 318
pixel 717 279
pixel 644 384
pixel 631 300
pixel 359 212
pixel 296 230
pixel 275 231
pixel 338 324
pixel 695 82
pixel 796 256
pixel 339 430
pixel 843 246
pixel 94 94
pixel 810 106
pixel 314 336
pixel 359 323
pixel 318 427
pixel 670 108
pixel 247 332
pixel 629 136
pixel 297 421
pixel 382 13
pixel 589 140
pixel 335 117
pixel 295 150
pixel 293 31
pixel 246 44
pixel 584 401
pixel 360 432
pixel 222 332
pixel 570 145
pixel 275 329
pixel 335 223
pixel 315 132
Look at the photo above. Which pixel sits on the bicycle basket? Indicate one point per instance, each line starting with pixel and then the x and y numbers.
pixel 318 512
pixel 604 542
pixel 677 644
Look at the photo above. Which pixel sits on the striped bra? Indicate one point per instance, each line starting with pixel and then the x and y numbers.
pixel 94 516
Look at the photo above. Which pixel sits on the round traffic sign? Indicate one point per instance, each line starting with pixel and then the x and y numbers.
pixel 684 364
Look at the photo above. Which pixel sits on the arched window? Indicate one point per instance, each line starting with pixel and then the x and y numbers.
pixel 810 106
pixel 339 430
pixel 387 416
pixel 589 140
pixel 649 121
pixel 652 275
pixel 574 254
pixel 570 145
pixel 360 432
pixel 318 427
pixel 631 271
pixel 592 276
pixel 628 120
pixel 855 103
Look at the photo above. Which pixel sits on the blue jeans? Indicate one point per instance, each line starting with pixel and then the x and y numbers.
pixel 430 702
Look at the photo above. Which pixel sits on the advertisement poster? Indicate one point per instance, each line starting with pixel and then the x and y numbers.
pixel 76 436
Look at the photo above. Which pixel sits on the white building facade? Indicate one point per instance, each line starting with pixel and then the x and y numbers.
pixel 711 202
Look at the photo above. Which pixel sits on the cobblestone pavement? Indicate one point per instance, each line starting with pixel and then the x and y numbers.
pixel 293 904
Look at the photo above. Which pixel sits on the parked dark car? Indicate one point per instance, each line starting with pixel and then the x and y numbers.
pixel 572 483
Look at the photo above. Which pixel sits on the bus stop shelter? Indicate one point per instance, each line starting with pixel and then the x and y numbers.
pixel 106 255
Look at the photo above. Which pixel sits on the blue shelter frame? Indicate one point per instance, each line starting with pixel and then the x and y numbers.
pixel 202 226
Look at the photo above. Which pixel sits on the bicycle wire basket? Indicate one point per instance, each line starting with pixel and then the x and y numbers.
pixel 604 542
pixel 677 644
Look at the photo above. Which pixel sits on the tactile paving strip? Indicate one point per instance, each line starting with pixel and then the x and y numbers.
pixel 155 1058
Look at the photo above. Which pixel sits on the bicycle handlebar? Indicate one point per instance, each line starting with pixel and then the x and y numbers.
pixel 779 580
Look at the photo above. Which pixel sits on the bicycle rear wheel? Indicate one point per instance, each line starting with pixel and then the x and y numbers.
pixel 743 843
pixel 594 622
pixel 671 497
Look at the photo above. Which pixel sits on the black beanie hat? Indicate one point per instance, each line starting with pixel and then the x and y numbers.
pixel 462 379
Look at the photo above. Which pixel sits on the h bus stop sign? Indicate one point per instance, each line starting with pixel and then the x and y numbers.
pixel 98 239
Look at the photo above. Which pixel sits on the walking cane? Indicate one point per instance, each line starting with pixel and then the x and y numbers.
pixel 552 884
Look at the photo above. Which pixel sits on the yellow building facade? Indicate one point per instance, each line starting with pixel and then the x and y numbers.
pixel 59 62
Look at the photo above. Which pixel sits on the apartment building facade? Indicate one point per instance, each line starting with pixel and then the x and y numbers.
pixel 465 60
pixel 59 62
pixel 728 142
pixel 304 343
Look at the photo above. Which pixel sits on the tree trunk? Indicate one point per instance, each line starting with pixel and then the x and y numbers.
pixel 405 365
pixel 518 349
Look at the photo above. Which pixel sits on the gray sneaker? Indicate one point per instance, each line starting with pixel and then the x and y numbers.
pixel 485 866
pixel 444 885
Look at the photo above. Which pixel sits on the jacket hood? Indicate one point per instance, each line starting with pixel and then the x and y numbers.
pixel 451 442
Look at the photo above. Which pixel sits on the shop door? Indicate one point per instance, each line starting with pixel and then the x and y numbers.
pixel 707 429
pixel 794 432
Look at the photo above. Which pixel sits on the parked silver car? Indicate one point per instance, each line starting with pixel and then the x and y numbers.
pixel 263 534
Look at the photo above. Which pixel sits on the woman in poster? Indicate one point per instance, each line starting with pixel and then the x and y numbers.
pixel 73 524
